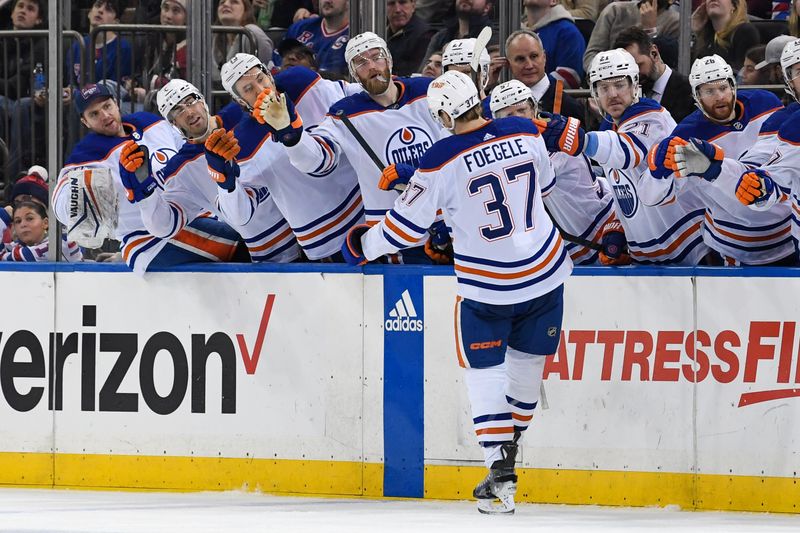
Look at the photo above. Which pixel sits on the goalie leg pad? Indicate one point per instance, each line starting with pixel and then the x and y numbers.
pixel 93 206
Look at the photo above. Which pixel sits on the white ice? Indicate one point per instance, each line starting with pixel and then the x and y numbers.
pixel 34 510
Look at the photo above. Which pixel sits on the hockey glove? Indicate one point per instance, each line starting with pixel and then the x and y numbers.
pixel 221 151
pixel 278 113
pixel 615 246
pixel 396 177
pixel 755 187
pixel 661 157
pixel 699 158
pixel 134 172
pixel 351 247
pixel 439 246
pixel 563 134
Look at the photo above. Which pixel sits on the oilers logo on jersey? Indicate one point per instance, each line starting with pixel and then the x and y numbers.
pixel 158 160
pixel 625 192
pixel 407 145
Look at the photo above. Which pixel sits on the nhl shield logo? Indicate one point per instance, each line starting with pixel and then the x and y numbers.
pixel 407 145
pixel 738 126
pixel 551 331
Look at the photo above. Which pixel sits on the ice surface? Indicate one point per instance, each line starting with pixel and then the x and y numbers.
pixel 41 510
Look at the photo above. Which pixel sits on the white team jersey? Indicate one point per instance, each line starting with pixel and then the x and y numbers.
pixel 320 204
pixel 189 191
pixel 660 234
pixel 400 133
pixel 784 168
pixel 739 234
pixel 579 203
pixel 487 184
pixel 138 247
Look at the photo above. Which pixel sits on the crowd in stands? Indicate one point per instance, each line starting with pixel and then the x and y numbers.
pixel 552 51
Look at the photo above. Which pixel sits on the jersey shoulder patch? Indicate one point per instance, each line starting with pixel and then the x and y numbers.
pixel 295 80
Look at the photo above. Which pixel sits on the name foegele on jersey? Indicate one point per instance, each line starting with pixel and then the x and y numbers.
pixel 494 152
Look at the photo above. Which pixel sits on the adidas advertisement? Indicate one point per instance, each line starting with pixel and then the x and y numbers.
pixel 403 317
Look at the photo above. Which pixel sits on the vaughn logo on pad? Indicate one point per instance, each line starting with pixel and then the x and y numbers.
pixel 403 317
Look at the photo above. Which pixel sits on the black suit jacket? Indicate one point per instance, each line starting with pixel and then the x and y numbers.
pixel 570 107
pixel 677 97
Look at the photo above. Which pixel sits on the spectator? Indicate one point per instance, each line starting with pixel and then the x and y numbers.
pixel 771 65
pixel 658 80
pixel 29 221
pixel 721 27
pixel 284 11
pixel 168 56
pixel 433 65
pixel 526 60
pixel 654 16
pixel 239 14
pixel 471 17
pixel 16 96
pixel 434 10
pixel 749 74
pixel 293 52
pixel 407 36
pixel 326 35
pixel 794 19
pixel 31 188
pixel 108 50
pixel 581 9
pixel 562 40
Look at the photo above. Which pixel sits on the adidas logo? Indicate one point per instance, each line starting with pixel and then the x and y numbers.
pixel 404 316
pixel 488 136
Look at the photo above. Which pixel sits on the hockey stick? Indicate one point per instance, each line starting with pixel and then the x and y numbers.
pixel 573 238
pixel 362 142
pixel 480 45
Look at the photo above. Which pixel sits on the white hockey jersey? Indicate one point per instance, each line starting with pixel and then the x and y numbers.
pixel 138 247
pixel 400 133
pixel 739 234
pixel 579 203
pixel 784 168
pixel 189 191
pixel 656 234
pixel 487 184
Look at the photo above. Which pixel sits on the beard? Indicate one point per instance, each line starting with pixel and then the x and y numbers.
pixel 378 84
pixel 647 84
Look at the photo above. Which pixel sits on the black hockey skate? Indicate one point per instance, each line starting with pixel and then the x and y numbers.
pixel 495 494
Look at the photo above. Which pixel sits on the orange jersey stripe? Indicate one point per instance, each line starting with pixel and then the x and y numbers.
pixel 333 223
pixel 494 431
pixel 220 250
pixel 457 329
pixel 513 275
pixel 133 244
pixel 273 242
pixel 746 238
pixel 403 234
pixel 521 418
pixel 672 247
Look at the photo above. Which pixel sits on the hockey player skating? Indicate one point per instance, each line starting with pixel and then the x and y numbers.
pixel 92 201
pixel 320 203
pixel 390 114
pixel 510 264
pixel 668 234
pixel 189 189
pixel 777 182
pixel 579 203
pixel 705 156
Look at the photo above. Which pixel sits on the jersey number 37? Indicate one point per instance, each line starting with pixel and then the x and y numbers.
pixel 498 204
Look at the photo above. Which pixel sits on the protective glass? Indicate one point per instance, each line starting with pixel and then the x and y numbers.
pixel 378 57
pixel 613 87
pixel 714 89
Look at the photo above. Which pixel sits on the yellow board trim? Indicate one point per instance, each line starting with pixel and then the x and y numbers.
pixel 343 478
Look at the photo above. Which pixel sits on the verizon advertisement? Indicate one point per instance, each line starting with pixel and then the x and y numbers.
pixel 209 364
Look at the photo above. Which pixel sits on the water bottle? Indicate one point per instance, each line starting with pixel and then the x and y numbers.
pixel 39 80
